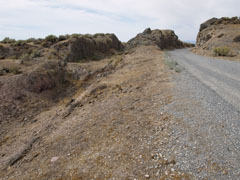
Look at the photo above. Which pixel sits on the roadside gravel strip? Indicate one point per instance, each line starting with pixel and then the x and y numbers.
pixel 205 107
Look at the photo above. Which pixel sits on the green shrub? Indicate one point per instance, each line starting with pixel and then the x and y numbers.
pixel 14 70
pixel 222 51
pixel 31 40
pixel 62 37
pixel 75 35
pixel 25 56
pixel 19 43
pixel 51 38
pixel 88 36
pixel 7 40
pixel 35 53
pixel 38 41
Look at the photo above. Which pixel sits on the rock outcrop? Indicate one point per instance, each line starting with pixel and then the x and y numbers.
pixel 71 48
pixel 4 51
pixel 84 47
pixel 222 32
pixel 164 39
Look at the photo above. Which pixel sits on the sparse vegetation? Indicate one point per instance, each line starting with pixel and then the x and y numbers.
pixel 237 38
pixel 52 54
pixel 75 35
pixel 62 37
pixel 31 40
pixel 115 60
pixel 35 53
pixel 14 70
pixel 25 57
pixel 38 41
pixel 20 43
pixel 10 69
pixel 8 40
pixel 222 51
pixel 98 34
pixel 51 38
pixel 173 65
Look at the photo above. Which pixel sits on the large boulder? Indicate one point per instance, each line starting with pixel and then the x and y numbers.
pixel 164 39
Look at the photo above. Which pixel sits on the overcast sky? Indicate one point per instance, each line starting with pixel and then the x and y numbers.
pixel 22 19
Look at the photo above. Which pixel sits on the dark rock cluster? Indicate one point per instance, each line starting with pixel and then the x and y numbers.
pixel 164 39
pixel 216 21
pixel 90 47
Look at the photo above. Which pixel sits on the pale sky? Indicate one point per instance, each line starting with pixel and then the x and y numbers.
pixel 22 19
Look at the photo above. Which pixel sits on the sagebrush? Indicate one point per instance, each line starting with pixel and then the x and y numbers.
pixel 222 51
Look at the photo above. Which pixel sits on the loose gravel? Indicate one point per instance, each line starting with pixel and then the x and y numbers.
pixel 205 139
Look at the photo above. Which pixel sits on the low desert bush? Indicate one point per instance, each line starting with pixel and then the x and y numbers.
pixel 222 51
pixel 237 38
pixel 35 53
pixel 98 34
pixel 19 43
pixel 51 38
pixel 8 40
pixel 14 70
pixel 25 56
pixel 33 40
pixel 11 69
pixel 38 41
pixel 62 37
pixel 75 35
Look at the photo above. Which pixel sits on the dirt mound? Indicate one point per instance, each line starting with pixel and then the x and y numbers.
pixel 164 39
pixel 23 95
pixel 220 33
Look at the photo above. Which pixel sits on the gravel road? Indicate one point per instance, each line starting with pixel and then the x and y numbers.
pixel 220 75
pixel 205 139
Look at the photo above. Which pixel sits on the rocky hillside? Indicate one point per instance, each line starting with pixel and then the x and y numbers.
pixel 219 37
pixel 76 47
pixel 35 74
pixel 164 39
pixel 78 105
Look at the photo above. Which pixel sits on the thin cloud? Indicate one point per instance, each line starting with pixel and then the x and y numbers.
pixel 22 19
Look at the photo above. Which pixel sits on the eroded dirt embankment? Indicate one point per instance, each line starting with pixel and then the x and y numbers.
pixel 112 129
